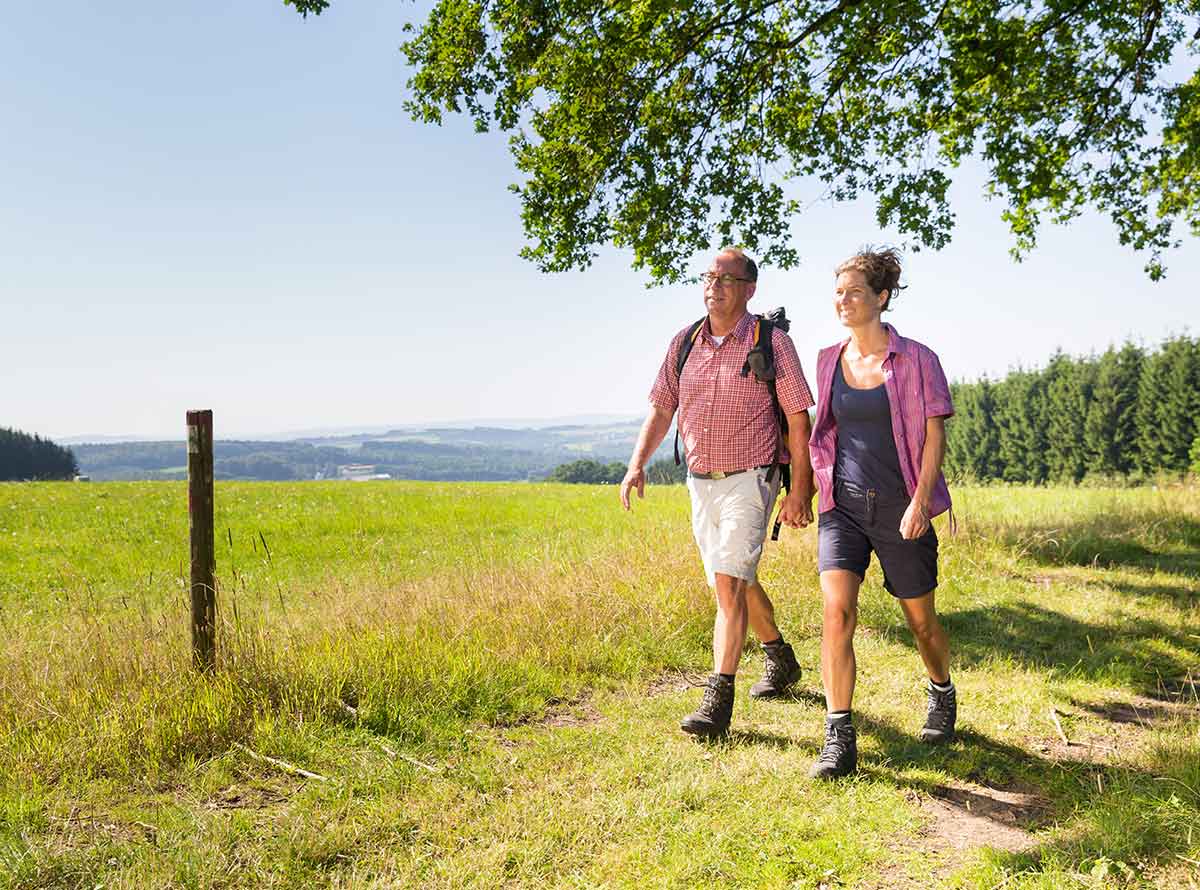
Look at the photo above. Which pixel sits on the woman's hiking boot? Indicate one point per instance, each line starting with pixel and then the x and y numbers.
pixel 940 715
pixel 780 670
pixel 716 709
pixel 839 754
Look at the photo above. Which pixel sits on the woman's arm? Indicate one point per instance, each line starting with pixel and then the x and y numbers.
pixel 796 510
pixel 915 521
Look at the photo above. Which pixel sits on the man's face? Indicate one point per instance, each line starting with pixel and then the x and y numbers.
pixel 727 300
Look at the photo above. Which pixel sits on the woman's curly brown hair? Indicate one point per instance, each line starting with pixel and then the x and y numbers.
pixel 880 268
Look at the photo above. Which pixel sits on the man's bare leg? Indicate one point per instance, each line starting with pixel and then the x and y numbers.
pixel 780 668
pixel 729 636
pixel 762 613
pixel 730 624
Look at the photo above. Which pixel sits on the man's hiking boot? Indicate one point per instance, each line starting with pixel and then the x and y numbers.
pixel 780 670
pixel 839 755
pixel 716 709
pixel 940 716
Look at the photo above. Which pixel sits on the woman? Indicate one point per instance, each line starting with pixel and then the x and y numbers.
pixel 877 450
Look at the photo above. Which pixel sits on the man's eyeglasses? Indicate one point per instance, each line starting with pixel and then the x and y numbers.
pixel 725 280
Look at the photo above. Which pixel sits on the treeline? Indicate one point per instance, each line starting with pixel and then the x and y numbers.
pixel 592 472
pixel 1128 412
pixel 23 456
pixel 274 461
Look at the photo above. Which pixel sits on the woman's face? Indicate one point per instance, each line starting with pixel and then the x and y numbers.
pixel 854 301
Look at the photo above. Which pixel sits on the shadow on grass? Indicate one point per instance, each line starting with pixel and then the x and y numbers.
pixel 1117 810
pixel 1167 542
pixel 803 696
pixel 1156 653
pixel 758 738
pixel 1179 596
pixel 1101 809
pixel 971 757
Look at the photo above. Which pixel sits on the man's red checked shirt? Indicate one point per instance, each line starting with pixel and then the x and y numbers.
pixel 727 421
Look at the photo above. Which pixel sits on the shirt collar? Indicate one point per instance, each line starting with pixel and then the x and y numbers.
pixel 740 331
pixel 896 343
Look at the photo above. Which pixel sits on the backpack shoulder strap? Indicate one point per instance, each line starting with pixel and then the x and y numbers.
pixel 685 348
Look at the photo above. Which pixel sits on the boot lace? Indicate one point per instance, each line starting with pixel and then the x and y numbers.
pixel 837 740
pixel 710 699
pixel 775 670
pixel 940 707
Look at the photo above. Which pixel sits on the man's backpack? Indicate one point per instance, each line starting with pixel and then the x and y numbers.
pixel 761 362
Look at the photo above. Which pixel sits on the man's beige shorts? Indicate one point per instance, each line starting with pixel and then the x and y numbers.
pixel 730 518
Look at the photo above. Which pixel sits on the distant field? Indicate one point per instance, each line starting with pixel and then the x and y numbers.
pixel 461 453
pixel 487 679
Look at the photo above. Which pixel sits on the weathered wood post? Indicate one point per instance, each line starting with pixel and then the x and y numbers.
pixel 204 560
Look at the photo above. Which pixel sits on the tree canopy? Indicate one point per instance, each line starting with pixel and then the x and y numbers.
pixel 666 126
pixel 590 472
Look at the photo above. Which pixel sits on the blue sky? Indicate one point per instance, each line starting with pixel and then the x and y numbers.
pixel 223 205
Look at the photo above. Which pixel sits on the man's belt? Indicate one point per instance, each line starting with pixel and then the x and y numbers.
pixel 726 475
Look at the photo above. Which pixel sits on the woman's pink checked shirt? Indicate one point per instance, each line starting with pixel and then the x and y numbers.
pixel 916 389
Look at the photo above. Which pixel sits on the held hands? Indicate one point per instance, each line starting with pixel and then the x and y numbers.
pixel 635 477
pixel 915 521
pixel 796 511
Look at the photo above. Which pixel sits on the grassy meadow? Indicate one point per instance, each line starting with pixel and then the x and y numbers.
pixel 479 685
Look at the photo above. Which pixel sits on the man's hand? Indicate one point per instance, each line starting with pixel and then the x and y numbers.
pixel 796 511
pixel 915 521
pixel 658 421
pixel 635 477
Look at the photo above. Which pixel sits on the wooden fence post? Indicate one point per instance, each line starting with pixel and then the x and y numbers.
pixel 204 561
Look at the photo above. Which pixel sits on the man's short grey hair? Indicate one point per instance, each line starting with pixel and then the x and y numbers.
pixel 749 267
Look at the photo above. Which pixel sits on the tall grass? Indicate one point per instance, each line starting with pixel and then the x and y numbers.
pixel 420 607
pixel 438 619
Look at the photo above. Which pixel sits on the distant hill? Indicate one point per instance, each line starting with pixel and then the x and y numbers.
pixel 440 453
pixel 314 433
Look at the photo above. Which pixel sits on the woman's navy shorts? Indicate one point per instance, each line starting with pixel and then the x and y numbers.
pixel 861 522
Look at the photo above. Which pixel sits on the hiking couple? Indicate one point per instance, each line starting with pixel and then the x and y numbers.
pixel 876 453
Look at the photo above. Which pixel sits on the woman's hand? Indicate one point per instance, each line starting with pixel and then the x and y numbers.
pixel 796 511
pixel 915 521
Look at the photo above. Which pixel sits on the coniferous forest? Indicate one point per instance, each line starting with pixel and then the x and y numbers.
pixel 1129 412
pixel 23 456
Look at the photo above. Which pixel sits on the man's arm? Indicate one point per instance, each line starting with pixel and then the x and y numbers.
pixel 915 521
pixel 654 430
pixel 796 511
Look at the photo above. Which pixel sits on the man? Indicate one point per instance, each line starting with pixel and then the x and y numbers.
pixel 731 437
